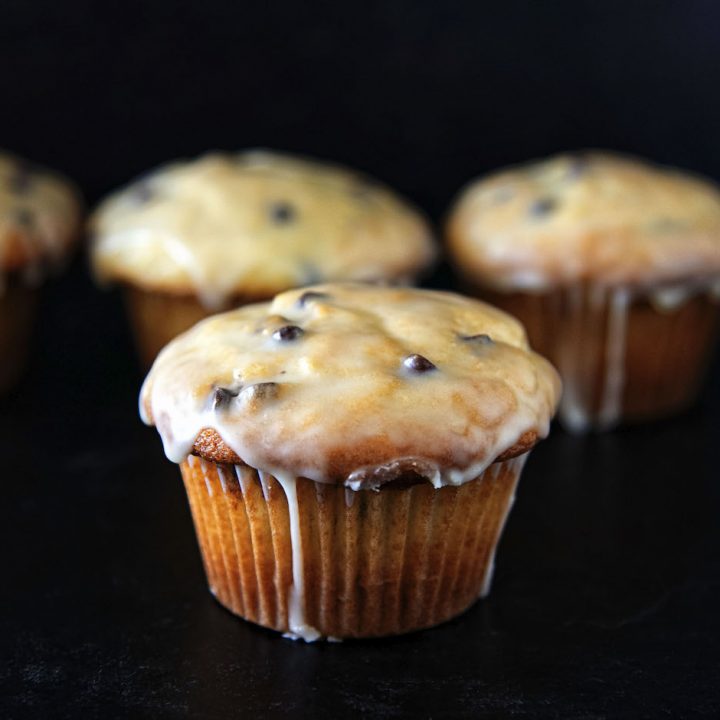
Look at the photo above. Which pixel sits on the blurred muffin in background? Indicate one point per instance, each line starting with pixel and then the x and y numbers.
pixel 613 266
pixel 39 223
pixel 196 237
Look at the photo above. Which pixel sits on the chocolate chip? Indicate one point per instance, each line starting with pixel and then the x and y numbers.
pixel 21 179
pixel 481 339
pixel 260 391
pixel 142 192
pixel 311 274
pixel 222 397
pixel 311 295
pixel 282 213
pixel 578 166
pixel 418 364
pixel 24 217
pixel 288 333
pixel 543 206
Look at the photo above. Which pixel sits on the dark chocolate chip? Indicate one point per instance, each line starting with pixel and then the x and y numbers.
pixel 311 295
pixel 21 179
pixel 142 192
pixel 288 333
pixel 24 217
pixel 282 213
pixel 481 339
pixel 222 397
pixel 311 274
pixel 578 166
pixel 261 391
pixel 543 207
pixel 418 364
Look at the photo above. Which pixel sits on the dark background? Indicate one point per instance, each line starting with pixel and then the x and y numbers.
pixel 608 581
pixel 423 94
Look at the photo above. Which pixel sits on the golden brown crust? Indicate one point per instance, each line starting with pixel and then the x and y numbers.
pixel 210 446
pixel 157 317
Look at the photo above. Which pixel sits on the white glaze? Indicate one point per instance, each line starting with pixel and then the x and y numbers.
pixel 342 385
pixel 668 298
pixel 299 628
pixel 614 381
pixel 572 406
pixel 264 484
pixel 514 466
pixel 614 304
pixel 616 221
pixel 206 227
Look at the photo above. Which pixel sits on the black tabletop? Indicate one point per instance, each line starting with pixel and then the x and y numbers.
pixel 605 599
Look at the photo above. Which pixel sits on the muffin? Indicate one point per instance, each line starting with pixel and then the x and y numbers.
pixel 39 220
pixel 350 452
pixel 613 266
pixel 200 236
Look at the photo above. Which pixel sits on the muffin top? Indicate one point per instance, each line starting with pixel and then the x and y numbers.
pixel 255 223
pixel 593 215
pixel 354 384
pixel 39 217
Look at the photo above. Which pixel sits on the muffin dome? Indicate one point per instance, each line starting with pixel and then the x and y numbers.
pixel 590 216
pixel 353 384
pixel 253 224
pixel 39 217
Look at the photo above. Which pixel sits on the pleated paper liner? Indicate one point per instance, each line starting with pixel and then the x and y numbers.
pixel 157 317
pixel 369 563
pixel 18 307
pixel 621 357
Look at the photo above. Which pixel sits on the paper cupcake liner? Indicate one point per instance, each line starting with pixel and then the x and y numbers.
pixel 18 307
pixel 157 317
pixel 622 358
pixel 316 560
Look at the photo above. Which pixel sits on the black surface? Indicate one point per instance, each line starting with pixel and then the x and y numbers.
pixel 608 577
pixel 604 603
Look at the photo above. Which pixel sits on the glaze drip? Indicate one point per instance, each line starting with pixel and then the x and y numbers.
pixel 299 628
pixel 599 316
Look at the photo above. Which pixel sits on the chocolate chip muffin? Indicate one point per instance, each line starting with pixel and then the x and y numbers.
pixel 201 236
pixel 39 220
pixel 612 264
pixel 350 452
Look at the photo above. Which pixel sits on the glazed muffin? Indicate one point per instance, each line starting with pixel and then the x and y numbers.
pixel 224 230
pixel 39 220
pixel 612 264
pixel 350 452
